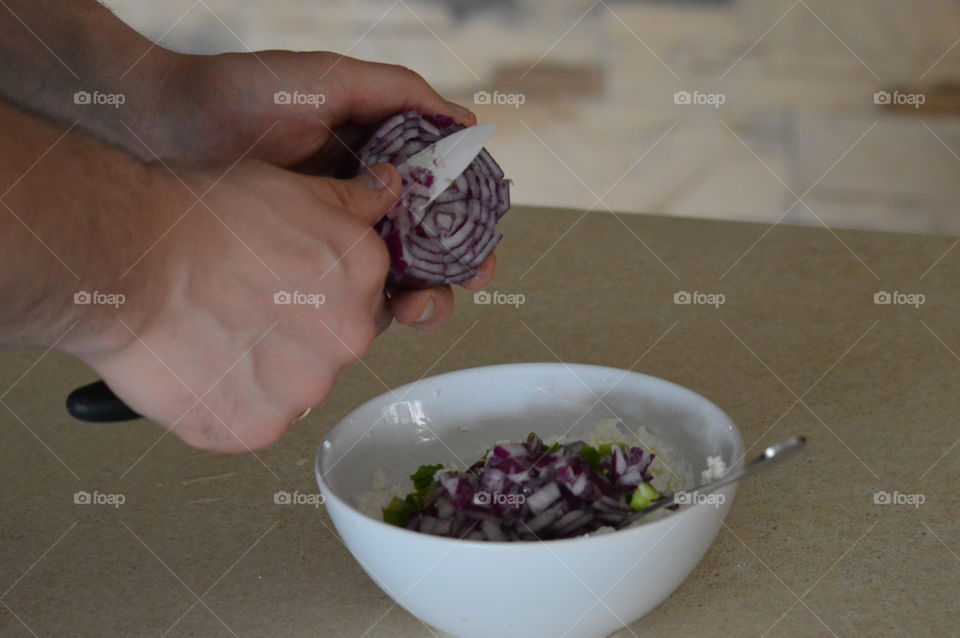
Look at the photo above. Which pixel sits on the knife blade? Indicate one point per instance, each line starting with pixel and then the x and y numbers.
pixel 449 157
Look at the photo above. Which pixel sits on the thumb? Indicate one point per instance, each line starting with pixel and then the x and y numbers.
pixel 369 195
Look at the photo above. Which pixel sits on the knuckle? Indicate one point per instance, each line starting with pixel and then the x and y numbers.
pixel 409 74
pixel 359 338
pixel 369 259
pixel 326 59
pixel 377 256
pixel 341 193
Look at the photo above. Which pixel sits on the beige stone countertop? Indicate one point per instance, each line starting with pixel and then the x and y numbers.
pixel 199 548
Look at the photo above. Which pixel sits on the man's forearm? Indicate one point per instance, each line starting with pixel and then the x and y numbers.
pixel 74 214
pixel 74 61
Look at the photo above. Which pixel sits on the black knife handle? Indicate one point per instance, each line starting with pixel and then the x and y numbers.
pixel 97 403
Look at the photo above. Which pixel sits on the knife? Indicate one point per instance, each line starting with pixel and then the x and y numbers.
pixel 446 159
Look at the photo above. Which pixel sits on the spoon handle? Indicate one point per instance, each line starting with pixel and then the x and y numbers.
pixel 773 455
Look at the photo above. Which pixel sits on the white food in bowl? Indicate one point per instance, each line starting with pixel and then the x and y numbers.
pixel 716 468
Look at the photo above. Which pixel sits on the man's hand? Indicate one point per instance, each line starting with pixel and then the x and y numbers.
pixel 220 107
pixel 199 345
pixel 250 306
pixel 287 108
pixel 235 293
pixel 210 108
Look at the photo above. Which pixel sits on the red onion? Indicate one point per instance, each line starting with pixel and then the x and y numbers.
pixel 445 242
pixel 527 491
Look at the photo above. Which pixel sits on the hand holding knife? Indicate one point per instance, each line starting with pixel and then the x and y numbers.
pixel 445 159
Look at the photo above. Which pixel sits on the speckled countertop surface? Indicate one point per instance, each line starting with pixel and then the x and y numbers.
pixel 199 548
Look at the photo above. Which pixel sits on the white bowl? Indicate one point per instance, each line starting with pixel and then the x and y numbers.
pixel 585 587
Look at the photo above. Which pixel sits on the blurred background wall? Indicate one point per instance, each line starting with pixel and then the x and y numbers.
pixel 728 109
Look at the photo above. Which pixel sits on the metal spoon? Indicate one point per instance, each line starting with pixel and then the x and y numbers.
pixel 770 457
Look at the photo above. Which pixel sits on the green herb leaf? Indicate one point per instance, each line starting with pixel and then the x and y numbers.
pixel 423 477
pixel 591 456
pixel 398 512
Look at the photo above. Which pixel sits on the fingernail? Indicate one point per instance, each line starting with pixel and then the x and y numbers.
pixel 480 274
pixel 459 110
pixel 483 270
pixel 377 176
pixel 427 314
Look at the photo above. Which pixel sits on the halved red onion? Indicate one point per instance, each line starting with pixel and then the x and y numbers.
pixel 446 241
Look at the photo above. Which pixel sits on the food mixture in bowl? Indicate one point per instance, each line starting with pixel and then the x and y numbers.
pixel 528 490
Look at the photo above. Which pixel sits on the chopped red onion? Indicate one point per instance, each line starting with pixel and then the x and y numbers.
pixel 527 491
